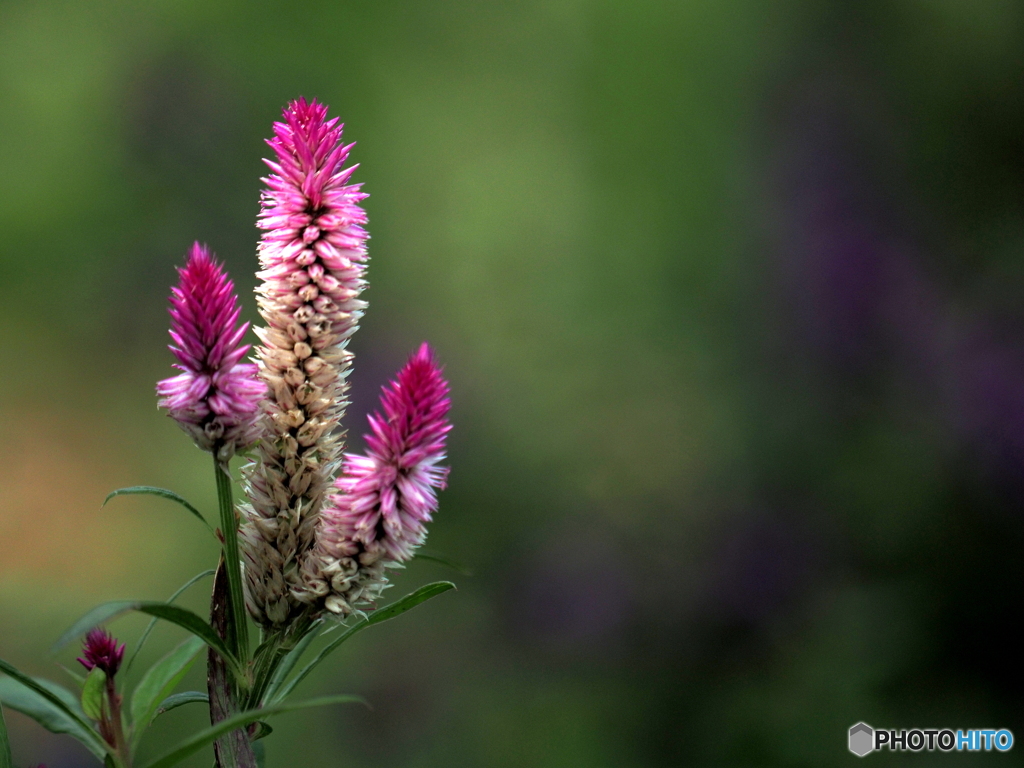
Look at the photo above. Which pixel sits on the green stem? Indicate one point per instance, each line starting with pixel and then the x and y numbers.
pixel 263 669
pixel 266 663
pixel 232 560
pixel 123 756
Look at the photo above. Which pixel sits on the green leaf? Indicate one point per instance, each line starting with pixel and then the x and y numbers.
pixel 409 601
pixel 196 742
pixel 445 561
pixel 388 612
pixel 181 699
pixel 12 689
pixel 152 623
pixel 158 683
pixel 92 693
pixel 80 679
pixel 162 493
pixel 287 688
pixel 172 613
pixel 6 761
pixel 264 731
pixel 290 660
pixel 52 706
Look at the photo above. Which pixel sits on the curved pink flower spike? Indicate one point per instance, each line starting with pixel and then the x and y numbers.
pixel 384 500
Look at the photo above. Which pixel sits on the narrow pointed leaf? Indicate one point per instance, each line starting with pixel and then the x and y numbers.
pixel 286 689
pixel 409 601
pixel 10 687
pixel 387 612
pixel 288 662
pixel 162 493
pixel 5 745
pixel 92 693
pixel 445 561
pixel 152 623
pixel 80 679
pixel 181 699
pixel 158 683
pixel 53 707
pixel 206 737
pixel 172 613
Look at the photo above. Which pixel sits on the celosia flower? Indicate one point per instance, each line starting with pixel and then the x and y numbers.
pixel 216 397
pixel 313 258
pixel 100 649
pixel 385 499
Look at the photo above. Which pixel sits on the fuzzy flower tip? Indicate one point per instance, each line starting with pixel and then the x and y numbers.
pixel 313 259
pixel 384 500
pixel 100 649
pixel 216 397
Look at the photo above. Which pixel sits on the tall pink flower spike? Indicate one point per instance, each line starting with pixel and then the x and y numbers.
pixel 384 500
pixel 216 397
pixel 313 259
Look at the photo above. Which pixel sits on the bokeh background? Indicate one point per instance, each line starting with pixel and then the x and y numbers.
pixel 730 296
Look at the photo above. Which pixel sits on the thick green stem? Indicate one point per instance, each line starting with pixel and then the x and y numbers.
pixel 232 750
pixel 123 757
pixel 232 560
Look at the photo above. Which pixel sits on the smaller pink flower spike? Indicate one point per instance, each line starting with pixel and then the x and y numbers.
pixel 100 649
pixel 384 500
pixel 216 398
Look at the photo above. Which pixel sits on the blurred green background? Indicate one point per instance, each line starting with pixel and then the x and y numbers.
pixel 729 294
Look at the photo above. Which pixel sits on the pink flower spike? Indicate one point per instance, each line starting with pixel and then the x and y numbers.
pixel 312 271
pixel 384 500
pixel 100 649
pixel 216 397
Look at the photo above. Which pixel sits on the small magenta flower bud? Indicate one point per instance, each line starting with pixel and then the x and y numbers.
pixel 100 649
pixel 216 398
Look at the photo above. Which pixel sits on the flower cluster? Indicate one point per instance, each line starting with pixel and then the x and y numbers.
pixel 313 258
pixel 308 542
pixel 216 397
pixel 384 500
pixel 320 528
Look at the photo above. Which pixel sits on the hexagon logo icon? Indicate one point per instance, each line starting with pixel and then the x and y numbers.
pixel 862 739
